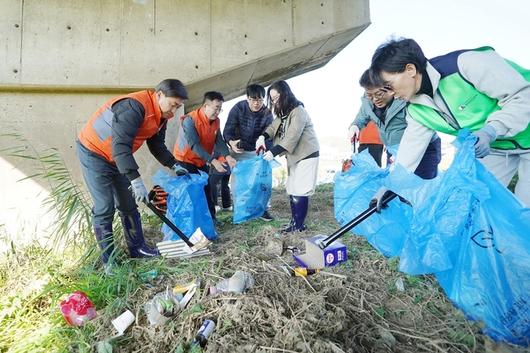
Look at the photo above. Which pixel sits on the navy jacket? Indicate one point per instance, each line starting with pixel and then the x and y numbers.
pixel 246 125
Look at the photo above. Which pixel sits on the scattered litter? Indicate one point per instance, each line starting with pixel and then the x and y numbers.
pixel 189 294
pixel 77 309
pixel 238 283
pixel 163 306
pixel 183 288
pixel 299 271
pixel 104 346
pixel 149 275
pixel 179 249
pixel 317 257
pixel 167 304
pixel 201 339
pixel 122 322
pixel 400 286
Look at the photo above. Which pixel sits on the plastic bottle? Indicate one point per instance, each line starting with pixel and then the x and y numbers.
pixel 238 283
pixel 204 333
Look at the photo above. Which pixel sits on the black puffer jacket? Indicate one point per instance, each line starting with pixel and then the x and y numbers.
pixel 246 125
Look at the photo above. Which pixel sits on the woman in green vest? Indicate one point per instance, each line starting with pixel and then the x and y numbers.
pixel 475 89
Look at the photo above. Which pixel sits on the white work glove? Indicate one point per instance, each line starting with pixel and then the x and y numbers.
pixel 179 170
pixel 268 156
pixel 378 198
pixel 353 131
pixel 234 145
pixel 260 142
pixel 139 190
pixel 485 137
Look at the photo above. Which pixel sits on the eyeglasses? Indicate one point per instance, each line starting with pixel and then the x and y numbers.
pixel 379 94
pixel 256 100
pixel 275 98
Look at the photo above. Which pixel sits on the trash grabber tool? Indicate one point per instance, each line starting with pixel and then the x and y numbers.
pixel 179 248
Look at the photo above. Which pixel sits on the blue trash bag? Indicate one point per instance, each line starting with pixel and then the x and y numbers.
pixel 353 191
pixel 187 207
pixel 253 188
pixel 475 236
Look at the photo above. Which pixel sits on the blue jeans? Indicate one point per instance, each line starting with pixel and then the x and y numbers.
pixel 428 167
pixel 107 186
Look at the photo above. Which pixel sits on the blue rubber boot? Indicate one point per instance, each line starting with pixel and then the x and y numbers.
pixel 105 239
pixel 299 207
pixel 134 236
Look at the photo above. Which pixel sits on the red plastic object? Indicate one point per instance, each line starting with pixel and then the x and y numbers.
pixel 77 309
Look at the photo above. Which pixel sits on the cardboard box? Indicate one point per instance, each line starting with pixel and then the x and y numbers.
pixel 316 258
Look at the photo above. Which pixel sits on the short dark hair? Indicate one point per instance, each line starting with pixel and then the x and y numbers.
pixel 287 100
pixel 369 80
pixel 172 88
pixel 255 91
pixel 213 95
pixel 394 55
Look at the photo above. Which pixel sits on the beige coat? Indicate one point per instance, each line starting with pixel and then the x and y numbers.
pixel 299 139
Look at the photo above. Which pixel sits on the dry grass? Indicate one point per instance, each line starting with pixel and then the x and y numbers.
pixel 365 312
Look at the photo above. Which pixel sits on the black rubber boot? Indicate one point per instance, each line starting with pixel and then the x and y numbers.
pixel 105 241
pixel 299 207
pixel 134 236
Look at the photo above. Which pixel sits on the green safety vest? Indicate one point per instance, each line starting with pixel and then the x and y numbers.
pixel 469 107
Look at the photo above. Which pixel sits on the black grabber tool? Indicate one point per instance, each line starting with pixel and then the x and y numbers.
pixel 389 196
pixel 319 249
pixel 157 202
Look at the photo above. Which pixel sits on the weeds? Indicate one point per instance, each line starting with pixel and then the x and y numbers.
pixel 66 200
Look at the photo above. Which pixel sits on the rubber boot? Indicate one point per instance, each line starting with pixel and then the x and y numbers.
pixel 299 207
pixel 105 239
pixel 134 236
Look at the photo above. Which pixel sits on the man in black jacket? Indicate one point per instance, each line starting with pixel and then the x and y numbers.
pixel 246 122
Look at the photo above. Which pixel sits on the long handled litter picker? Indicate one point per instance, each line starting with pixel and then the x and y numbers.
pixel 175 248
pixel 322 251
pixel 356 221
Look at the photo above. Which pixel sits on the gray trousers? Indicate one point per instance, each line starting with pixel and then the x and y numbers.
pixel 504 164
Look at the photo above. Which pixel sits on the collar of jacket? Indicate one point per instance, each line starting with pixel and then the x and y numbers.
pixel 395 107
pixel 203 118
pixel 424 99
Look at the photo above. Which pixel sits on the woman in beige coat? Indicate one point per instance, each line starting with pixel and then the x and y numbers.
pixel 293 136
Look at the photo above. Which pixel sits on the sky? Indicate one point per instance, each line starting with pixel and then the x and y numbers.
pixel 332 93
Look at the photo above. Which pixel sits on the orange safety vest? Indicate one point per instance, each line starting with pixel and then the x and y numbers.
pixel 370 134
pixel 206 129
pixel 96 135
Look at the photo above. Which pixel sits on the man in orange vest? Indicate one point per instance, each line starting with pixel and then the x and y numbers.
pixel 105 149
pixel 200 143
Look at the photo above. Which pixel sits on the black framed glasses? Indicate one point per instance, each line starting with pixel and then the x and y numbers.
pixel 379 94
